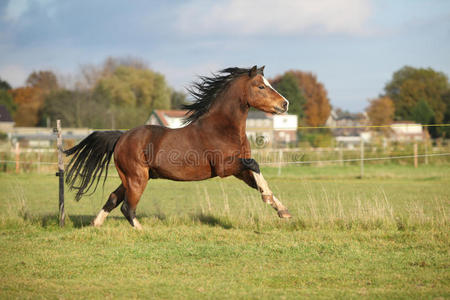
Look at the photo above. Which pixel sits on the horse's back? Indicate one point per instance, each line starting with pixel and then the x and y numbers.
pixel 134 146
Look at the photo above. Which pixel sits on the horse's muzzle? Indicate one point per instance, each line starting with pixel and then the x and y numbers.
pixel 283 108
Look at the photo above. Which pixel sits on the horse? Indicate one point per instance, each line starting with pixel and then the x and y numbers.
pixel 212 143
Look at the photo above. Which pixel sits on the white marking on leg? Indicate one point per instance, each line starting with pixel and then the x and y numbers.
pixel 100 218
pixel 136 224
pixel 262 184
pixel 265 191
pixel 278 204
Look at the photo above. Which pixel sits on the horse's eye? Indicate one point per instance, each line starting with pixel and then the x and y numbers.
pixel 261 87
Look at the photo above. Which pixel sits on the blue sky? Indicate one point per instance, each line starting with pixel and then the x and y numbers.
pixel 353 46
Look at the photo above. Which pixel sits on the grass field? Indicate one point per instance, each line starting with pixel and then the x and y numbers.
pixel 386 235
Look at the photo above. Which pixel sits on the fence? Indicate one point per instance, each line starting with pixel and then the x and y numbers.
pixel 45 160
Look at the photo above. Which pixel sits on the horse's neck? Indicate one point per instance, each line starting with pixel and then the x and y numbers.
pixel 228 115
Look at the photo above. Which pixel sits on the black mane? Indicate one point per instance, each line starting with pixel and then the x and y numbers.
pixel 208 89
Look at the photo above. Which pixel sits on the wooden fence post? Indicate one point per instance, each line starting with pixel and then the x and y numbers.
pixel 60 173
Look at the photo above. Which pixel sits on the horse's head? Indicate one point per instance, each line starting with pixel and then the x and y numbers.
pixel 261 95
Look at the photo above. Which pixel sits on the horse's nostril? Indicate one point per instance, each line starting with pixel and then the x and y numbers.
pixel 285 105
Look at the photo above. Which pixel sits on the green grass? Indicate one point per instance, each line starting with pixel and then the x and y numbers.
pixel 386 236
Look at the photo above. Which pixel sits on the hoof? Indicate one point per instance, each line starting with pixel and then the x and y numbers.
pixel 137 225
pixel 284 214
pixel 95 223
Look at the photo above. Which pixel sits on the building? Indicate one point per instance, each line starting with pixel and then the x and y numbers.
pixel 285 128
pixel 407 131
pixel 349 128
pixel 167 118
pixel 6 121
pixel 259 127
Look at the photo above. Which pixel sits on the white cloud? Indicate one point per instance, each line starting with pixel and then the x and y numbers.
pixel 15 75
pixel 15 9
pixel 248 17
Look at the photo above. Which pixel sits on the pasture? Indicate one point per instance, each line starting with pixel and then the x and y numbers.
pixel 386 235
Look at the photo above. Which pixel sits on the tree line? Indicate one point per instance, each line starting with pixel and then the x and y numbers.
pixel 122 92
pixel 119 93
pixel 421 95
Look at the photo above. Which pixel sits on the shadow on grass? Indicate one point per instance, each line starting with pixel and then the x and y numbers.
pixel 80 221
pixel 211 220
pixel 76 221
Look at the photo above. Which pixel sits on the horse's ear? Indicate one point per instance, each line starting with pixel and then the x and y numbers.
pixel 261 70
pixel 253 71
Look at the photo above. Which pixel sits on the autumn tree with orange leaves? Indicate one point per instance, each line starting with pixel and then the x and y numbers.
pixel 381 112
pixel 30 99
pixel 317 107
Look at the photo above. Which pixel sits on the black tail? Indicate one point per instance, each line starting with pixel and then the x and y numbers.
pixel 91 156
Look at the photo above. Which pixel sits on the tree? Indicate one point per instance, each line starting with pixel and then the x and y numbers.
pixel 7 101
pixel 287 85
pixel 381 112
pixel 44 80
pixel 317 107
pixel 445 131
pixel 76 109
pixel 4 85
pixel 91 74
pixel 177 99
pixel 410 85
pixel 29 101
pixel 136 88
pixel 422 113
pixel 133 93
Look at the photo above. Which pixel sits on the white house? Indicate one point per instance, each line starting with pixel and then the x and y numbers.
pixel 167 118
pixel 407 131
pixel 285 128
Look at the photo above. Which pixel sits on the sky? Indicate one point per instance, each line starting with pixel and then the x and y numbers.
pixel 353 46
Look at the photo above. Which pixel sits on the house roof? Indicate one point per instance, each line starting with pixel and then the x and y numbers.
pixel 161 114
pixel 5 115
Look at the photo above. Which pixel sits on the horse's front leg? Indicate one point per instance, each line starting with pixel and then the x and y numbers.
pixel 251 174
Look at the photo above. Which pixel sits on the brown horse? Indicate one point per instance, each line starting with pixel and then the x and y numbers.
pixel 213 144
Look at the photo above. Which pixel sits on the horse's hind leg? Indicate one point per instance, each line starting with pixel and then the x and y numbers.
pixel 115 198
pixel 254 178
pixel 135 187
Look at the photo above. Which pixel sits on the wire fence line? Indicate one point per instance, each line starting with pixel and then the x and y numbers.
pixel 276 163
pixel 374 126
pixel 356 159
pixel 329 127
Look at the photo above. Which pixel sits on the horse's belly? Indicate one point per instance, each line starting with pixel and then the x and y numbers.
pixel 182 173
